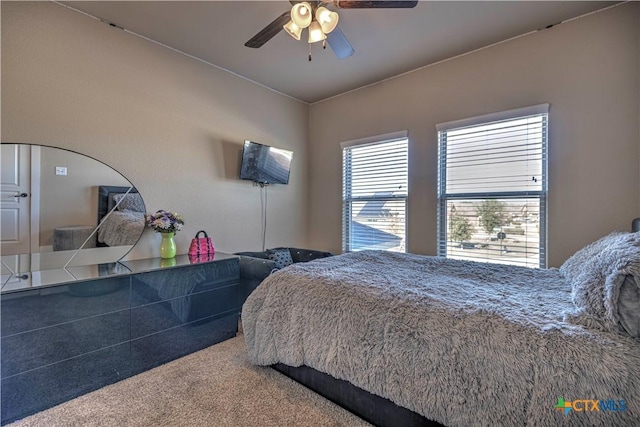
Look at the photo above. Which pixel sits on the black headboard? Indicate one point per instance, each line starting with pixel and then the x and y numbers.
pixel 105 200
pixel 635 225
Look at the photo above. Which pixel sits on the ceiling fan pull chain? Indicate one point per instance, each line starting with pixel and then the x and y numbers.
pixel 309 52
pixel 324 43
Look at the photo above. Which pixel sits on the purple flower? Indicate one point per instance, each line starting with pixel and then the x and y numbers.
pixel 164 221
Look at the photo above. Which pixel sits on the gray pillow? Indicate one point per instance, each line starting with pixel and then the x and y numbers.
pixel 629 306
pixel 282 257
pixel 129 202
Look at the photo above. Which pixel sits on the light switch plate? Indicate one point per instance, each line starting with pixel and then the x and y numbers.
pixel 61 170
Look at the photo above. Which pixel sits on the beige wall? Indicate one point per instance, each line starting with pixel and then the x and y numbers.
pixel 586 69
pixel 172 125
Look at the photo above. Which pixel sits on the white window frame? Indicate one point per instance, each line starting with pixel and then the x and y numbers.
pixel 348 198
pixel 444 197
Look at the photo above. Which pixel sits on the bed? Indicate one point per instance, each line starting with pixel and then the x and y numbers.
pixel 123 225
pixel 404 339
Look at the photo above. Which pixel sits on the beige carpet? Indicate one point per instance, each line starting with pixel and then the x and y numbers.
pixel 216 386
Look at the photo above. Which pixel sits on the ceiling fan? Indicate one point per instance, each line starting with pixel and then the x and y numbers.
pixel 322 23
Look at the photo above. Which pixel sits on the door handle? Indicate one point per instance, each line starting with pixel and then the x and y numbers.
pixel 21 195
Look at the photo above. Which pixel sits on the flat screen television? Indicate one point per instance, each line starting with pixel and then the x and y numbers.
pixel 264 164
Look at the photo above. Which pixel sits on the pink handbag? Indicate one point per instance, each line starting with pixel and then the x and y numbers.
pixel 201 245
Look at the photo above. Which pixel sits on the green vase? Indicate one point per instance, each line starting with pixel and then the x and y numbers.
pixel 167 245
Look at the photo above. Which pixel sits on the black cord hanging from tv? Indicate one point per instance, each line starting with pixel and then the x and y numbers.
pixel 263 206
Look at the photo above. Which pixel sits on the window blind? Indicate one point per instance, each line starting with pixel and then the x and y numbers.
pixel 492 185
pixel 374 197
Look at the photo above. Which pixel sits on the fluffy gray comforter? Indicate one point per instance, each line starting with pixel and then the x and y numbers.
pixel 459 342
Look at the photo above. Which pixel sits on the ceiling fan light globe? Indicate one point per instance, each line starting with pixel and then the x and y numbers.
pixel 328 20
pixel 293 30
pixel 315 33
pixel 301 14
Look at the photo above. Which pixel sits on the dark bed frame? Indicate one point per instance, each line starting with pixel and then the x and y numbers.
pixel 105 197
pixel 370 407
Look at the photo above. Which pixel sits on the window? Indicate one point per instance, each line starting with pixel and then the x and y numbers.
pixel 374 193
pixel 492 187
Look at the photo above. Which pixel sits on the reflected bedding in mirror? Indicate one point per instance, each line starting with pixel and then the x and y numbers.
pixel 121 228
pixel 120 215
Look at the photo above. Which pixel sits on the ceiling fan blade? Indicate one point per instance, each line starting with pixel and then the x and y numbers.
pixel 357 4
pixel 339 43
pixel 268 32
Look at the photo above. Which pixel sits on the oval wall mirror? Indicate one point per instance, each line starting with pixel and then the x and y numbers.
pixel 59 208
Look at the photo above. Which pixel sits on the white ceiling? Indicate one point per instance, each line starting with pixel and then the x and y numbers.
pixel 387 42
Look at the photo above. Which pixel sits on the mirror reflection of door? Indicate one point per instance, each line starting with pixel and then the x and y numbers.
pixel 16 197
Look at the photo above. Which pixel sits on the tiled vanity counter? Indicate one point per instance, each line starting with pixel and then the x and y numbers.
pixel 65 333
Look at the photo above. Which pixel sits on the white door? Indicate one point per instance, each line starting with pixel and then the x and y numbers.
pixel 15 202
